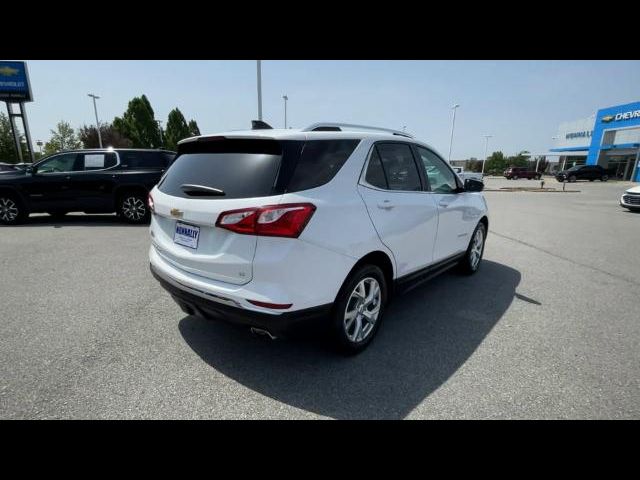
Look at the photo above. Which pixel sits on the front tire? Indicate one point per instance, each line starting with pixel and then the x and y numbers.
pixel 470 263
pixel 132 208
pixel 358 309
pixel 12 210
pixel 572 179
pixel 604 178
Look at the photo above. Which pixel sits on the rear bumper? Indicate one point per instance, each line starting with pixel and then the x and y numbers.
pixel 285 323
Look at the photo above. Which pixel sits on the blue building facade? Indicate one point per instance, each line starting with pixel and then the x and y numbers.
pixel 613 142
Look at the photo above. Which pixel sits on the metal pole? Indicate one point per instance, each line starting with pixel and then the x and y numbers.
pixel 259 66
pixel 453 126
pixel 16 136
pixel 23 112
pixel 285 110
pixel 486 147
pixel 159 122
pixel 95 109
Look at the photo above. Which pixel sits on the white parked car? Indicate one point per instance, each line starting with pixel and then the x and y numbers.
pixel 631 199
pixel 281 229
pixel 464 175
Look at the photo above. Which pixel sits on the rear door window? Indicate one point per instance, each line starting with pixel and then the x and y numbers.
pixel 399 166
pixel 96 161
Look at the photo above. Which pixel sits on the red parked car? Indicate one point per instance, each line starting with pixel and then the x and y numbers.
pixel 514 173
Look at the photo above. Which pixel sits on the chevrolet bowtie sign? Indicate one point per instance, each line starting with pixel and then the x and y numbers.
pixel 14 82
pixel 621 116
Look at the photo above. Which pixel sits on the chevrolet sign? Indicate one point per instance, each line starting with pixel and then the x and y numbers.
pixel 621 116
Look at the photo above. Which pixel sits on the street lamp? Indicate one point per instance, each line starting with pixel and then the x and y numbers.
pixel 159 122
pixel 486 146
pixel 453 126
pixel 95 109
pixel 285 110
pixel 259 68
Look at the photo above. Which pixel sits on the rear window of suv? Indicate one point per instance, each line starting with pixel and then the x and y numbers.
pixel 244 168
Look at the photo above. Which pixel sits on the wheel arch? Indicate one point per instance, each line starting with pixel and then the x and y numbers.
pixel 379 259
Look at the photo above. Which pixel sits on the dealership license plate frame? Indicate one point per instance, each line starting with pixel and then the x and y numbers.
pixel 184 240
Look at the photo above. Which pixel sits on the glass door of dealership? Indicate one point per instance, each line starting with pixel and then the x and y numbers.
pixel 619 164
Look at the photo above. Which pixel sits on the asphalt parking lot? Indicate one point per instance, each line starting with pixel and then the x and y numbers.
pixel 548 328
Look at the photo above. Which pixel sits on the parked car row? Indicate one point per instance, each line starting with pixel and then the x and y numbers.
pixel 89 181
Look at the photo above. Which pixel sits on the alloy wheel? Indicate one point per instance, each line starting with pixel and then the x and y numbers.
pixel 476 248
pixel 133 208
pixel 363 310
pixel 8 210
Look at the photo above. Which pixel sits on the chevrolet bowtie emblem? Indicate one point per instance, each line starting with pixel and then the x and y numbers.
pixel 8 71
pixel 176 213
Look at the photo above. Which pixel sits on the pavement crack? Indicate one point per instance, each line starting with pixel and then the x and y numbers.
pixel 566 259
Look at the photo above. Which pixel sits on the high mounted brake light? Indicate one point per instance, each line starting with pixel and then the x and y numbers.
pixel 286 220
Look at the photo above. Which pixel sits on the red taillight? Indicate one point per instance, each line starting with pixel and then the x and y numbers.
pixel 151 204
pixel 286 220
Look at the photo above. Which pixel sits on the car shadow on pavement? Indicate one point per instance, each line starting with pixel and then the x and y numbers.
pixel 77 220
pixel 427 335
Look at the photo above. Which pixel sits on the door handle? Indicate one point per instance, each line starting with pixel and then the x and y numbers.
pixel 68 177
pixel 443 203
pixel 386 205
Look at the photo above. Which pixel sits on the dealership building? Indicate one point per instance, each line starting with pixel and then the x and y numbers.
pixel 609 138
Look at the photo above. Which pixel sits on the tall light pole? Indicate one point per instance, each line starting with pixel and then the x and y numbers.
pixel 159 122
pixel 453 126
pixel 285 110
pixel 259 67
pixel 486 147
pixel 95 109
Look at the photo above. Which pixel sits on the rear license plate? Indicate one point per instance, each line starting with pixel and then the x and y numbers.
pixel 186 235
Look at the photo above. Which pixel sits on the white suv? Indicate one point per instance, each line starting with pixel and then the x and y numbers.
pixel 278 229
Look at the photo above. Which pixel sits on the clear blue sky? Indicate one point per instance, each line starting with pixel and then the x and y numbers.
pixel 521 103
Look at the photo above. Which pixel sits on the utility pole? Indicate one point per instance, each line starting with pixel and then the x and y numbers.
pixel 486 146
pixel 285 110
pixel 453 126
pixel 95 109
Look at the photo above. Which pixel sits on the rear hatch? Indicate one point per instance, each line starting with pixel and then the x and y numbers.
pixel 212 175
pixel 208 178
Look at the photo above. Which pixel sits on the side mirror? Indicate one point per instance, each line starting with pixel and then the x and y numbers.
pixel 32 170
pixel 472 185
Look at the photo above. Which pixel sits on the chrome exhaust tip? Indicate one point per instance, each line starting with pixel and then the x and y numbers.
pixel 263 333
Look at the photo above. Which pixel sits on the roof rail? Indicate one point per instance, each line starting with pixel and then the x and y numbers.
pixel 330 126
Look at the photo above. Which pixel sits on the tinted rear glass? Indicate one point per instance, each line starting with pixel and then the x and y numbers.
pixel 319 162
pixel 143 160
pixel 244 168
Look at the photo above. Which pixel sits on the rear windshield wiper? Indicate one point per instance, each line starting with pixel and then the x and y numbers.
pixel 201 191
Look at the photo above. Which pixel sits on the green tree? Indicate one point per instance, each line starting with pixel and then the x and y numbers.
pixel 177 129
pixel 138 124
pixel 495 164
pixel 111 137
pixel 62 138
pixel 7 145
pixel 193 128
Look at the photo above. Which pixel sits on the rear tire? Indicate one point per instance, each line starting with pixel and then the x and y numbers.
pixel 12 210
pixel 472 259
pixel 604 178
pixel 358 309
pixel 132 208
